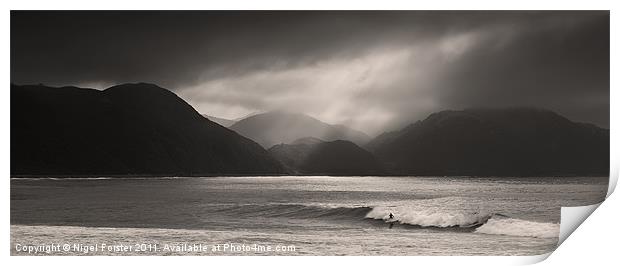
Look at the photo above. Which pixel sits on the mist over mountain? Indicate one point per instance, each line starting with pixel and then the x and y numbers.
pixel 307 140
pixel 221 121
pixel 278 127
pixel 503 142
pixel 135 129
pixel 312 156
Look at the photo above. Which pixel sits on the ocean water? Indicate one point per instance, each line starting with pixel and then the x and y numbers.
pixel 293 215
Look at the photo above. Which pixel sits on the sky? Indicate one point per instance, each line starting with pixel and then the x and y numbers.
pixel 374 71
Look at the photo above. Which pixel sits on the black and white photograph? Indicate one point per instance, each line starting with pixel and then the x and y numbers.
pixel 304 133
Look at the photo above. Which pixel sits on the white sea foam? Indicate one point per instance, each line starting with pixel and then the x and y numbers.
pixel 517 227
pixel 490 223
pixel 430 217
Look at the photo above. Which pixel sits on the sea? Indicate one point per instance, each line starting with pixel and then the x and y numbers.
pixel 293 215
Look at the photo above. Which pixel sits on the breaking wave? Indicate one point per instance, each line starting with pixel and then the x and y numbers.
pixel 429 218
pixel 517 227
pixel 477 222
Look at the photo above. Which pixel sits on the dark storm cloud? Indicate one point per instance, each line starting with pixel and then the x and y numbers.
pixel 371 70
pixel 174 47
pixel 564 66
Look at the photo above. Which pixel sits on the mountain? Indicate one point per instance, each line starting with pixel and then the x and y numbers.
pixel 307 140
pixel 130 129
pixel 312 156
pixel 278 127
pixel 385 138
pixel 502 142
pixel 221 121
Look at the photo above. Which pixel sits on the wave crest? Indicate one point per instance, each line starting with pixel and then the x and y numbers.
pixel 472 221
pixel 429 218
pixel 517 227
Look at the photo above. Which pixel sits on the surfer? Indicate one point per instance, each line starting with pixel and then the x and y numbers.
pixel 391 220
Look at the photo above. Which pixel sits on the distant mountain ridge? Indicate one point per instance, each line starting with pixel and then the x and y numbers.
pixel 278 127
pixel 142 129
pixel 130 129
pixel 502 142
pixel 312 156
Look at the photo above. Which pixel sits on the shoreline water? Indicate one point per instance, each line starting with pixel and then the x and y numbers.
pixel 436 215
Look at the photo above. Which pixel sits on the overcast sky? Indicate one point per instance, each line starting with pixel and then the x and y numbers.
pixel 373 71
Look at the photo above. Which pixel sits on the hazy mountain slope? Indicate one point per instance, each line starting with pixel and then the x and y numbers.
pixel 384 138
pixel 221 121
pixel 307 140
pixel 128 129
pixel 278 127
pixel 516 141
pixel 314 157
pixel 291 156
